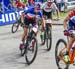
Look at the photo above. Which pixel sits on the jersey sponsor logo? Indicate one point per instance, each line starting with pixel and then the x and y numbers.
pixel 47 9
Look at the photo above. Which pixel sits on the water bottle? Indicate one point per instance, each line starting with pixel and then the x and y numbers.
pixel 66 58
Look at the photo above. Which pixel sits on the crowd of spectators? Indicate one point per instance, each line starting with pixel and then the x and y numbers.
pixel 17 4
pixel 2 7
pixel 60 4
pixel 13 5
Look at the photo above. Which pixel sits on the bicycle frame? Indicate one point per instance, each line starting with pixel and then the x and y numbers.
pixel 71 55
pixel 60 57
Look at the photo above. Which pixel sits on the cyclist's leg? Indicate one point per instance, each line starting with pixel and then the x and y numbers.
pixel 22 18
pixel 43 29
pixel 25 29
pixel 71 27
pixel 49 16
pixel 70 43
pixel 43 23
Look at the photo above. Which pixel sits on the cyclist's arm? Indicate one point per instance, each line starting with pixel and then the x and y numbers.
pixel 42 19
pixel 65 22
pixel 68 18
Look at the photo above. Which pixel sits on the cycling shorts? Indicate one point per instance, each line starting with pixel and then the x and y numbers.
pixel 48 14
pixel 29 21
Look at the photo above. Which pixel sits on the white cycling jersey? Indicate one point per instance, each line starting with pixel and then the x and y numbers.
pixel 47 8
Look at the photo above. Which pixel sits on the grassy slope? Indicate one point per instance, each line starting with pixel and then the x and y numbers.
pixel 62 15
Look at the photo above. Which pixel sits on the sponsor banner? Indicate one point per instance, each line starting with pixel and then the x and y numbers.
pixel 9 17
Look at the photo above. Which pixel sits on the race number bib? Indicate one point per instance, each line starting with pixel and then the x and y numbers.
pixel 48 21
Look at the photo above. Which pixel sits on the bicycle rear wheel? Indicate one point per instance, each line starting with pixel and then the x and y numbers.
pixel 61 44
pixel 48 37
pixel 31 50
pixel 15 27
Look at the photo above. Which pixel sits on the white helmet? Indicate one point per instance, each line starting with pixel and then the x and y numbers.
pixel 50 0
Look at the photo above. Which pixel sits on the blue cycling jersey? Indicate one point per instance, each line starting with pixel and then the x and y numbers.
pixel 72 23
pixel 73 19
pixel 30 12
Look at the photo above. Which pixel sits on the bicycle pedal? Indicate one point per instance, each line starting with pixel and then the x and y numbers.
pixel 66 58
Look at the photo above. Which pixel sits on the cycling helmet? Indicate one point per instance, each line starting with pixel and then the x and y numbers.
pixel 50 0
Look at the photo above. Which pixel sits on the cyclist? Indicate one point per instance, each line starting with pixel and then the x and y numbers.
pixel 29 17
pixel 48 8
pixel 71 21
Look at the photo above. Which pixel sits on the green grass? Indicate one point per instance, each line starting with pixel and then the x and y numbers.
pixel 62 15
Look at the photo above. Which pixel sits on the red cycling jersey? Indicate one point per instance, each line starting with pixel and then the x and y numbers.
pixel 72 13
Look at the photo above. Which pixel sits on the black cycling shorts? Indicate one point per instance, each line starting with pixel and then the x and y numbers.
pixel 48 14
pixel 29 21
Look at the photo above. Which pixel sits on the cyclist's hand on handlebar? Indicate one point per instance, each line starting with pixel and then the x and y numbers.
pixel 66 33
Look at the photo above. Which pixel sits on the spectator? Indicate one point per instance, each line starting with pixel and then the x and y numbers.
pixel 31 2
pixel 19 4
pixel 65 5
pixel 2 7
pixel 11 5
pixel 59 5
pixel 40 1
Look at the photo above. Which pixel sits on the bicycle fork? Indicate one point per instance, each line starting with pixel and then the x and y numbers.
pixel 72 56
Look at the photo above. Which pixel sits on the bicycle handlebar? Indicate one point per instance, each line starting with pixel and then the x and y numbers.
pixel 69 33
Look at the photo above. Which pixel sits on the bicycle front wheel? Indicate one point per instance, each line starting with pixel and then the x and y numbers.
pixel 31 50
pixel 48 37
pixel 15 27
pixel 60 46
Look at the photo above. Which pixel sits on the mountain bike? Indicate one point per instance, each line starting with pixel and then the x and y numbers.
pixel 47 37
pixel 63 61
pixel 31 46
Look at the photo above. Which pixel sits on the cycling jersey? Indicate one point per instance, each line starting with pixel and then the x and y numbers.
pixel 30 13
pixel 47 10
pixel 71 25
pixel 73 19
pixel 51 8
pixel 72 13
